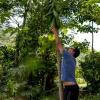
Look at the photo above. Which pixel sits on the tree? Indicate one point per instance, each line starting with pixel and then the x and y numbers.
pixel 36 17
pixel 53 17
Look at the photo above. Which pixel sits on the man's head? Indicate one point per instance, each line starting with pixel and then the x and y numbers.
pixel 75 52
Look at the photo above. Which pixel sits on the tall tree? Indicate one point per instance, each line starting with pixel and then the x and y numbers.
pixel 53 16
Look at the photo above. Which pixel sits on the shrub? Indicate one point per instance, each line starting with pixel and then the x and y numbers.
pixel 91 71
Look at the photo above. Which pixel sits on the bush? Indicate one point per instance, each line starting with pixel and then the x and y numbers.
pixel 91 71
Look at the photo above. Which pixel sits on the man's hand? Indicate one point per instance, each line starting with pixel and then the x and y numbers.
pixel 58 42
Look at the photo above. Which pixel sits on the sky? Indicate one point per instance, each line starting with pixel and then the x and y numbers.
pixel 88 36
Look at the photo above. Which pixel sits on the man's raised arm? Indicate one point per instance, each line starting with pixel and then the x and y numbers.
pixel 58 41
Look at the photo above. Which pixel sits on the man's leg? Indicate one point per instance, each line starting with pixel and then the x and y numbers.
pixel 67 93
pixel 71 92
pixel 74 93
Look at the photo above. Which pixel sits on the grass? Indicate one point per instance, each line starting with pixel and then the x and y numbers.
pixel 90 97
pixel 49 98
pixel 85 97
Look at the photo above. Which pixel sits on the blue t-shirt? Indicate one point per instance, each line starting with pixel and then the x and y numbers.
pixel 68 65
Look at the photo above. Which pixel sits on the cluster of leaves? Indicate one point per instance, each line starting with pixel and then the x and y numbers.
pixel 6 63
pixel 68 41
pixel 91 71
pixel 29 66
pixel 35 73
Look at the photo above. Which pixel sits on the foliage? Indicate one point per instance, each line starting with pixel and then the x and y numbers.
pixel 36 71
pixel 28 67
pixel 91 71
pixel 83 46
pixel 7 56
pixel 68 41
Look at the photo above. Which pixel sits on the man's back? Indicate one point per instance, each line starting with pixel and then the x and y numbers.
pixel 68 65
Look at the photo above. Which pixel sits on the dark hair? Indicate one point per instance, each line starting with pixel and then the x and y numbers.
pixel 77 52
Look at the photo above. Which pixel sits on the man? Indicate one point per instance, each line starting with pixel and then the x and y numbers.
pixel 68 64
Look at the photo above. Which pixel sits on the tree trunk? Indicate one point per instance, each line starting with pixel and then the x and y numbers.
pixel 59 75
pixel 92 39
pixel 58 68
